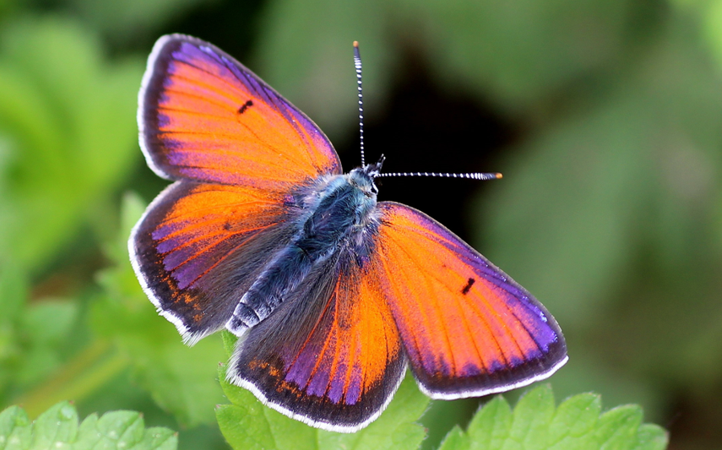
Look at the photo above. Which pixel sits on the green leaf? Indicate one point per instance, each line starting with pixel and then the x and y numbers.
pixel 535 424
pixel 651 437
pixel 15 429
pixel 229 341
pixel 58 428
pixel 247 424
pixel 455 440
pixel 180 379
pixel 575 417
pixel 490 426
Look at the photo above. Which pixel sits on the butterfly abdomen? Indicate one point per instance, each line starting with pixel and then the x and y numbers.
pixel 331 219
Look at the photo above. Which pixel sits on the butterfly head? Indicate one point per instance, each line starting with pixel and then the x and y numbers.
pixel 363 178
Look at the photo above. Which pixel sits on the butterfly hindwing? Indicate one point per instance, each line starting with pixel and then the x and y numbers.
pixel 330 355
pixel 200 246
pixel 203 116
pixel 468 329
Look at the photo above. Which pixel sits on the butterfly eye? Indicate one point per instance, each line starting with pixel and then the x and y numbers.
pixel 370 191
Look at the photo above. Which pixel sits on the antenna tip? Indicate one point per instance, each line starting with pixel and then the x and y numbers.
pixel 355 44
pixel 499 176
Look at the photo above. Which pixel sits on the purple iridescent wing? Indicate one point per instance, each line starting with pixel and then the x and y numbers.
pixel 203 116
pixel 467 328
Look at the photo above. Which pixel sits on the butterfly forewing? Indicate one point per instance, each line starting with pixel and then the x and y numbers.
pixel 468 329
pixel 203 116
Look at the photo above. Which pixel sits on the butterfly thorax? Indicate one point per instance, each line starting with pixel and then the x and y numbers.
pixel 336 216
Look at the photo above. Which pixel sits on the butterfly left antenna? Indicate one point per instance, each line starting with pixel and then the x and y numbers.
pixel 357 65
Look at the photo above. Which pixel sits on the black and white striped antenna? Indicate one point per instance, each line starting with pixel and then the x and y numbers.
pixel 357 65
pixel 376 174
pixel 471 176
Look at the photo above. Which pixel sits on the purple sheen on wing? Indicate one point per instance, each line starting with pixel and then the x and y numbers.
pixel 190 270
pixel 433 364
pixel 470 370
pixel 301 370
pixel 251 82
pixel 516 361
pixel 187 253
pixel 496 366
pixel 354 389
pixel 187 274
pixel 193 55
pixel 166 230
pixel 163 98
pixel 335 392
pixel 172 144
pixel 534 322
pixel 163 120
pixel 319 382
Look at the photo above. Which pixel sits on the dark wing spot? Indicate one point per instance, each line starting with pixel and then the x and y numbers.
pixel 245 106
pixel 468 286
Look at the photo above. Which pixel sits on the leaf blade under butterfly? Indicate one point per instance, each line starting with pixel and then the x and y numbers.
pixel 536 424
pixel 58 428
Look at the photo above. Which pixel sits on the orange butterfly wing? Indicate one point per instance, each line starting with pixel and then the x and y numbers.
pixel 468 329
pixel 196 250
pixel 204 116
pixel 330 355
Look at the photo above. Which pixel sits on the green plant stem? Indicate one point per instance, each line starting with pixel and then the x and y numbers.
pixel 78 378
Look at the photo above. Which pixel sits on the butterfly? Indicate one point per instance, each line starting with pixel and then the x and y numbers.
pixel 331 293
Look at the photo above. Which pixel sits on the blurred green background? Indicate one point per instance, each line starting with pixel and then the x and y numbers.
pixel 605 117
